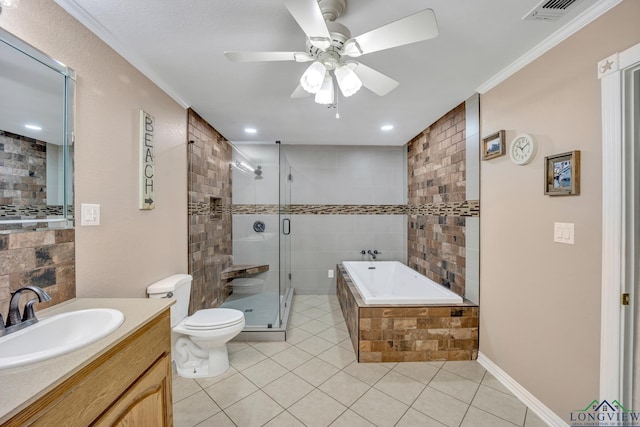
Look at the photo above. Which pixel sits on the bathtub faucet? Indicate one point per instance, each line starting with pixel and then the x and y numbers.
pixel 373 253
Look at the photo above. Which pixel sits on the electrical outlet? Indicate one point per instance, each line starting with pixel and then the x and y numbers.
pixel 330 274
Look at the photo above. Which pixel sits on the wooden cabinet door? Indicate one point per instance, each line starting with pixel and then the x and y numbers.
pixel 147 403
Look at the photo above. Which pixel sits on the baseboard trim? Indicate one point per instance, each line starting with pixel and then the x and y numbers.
pixel 540 409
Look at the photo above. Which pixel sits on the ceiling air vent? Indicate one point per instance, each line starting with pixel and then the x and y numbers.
pixel 549 10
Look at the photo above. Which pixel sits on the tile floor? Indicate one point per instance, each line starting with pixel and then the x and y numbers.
pixel 314 380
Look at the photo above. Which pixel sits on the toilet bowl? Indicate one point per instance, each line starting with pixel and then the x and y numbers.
pixel 199 341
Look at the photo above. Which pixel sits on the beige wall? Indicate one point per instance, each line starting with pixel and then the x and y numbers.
pixel 131 248
pixel 540 300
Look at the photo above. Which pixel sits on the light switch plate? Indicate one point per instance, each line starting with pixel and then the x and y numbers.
pixel 563 232
pixel 89 214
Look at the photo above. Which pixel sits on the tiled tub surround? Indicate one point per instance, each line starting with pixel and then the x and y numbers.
pixel 407 333
pixel 41 258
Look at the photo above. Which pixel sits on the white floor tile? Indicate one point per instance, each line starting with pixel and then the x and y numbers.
pixel 469 369
pixel 478 418
pixel 379 408
pixel 338 356
pixel 454 385
pixel 218 420
pixel 315 371
pixel 313 327
pixel 227 392
pixel 262 373
pixel 317 409
pixel 208 382
pixel 413 418
pixel 500 404
pixel 269 348
pixel 246 358
pixel 292 357
pixel 288 389
pixel 296 335
pixel 532 420
pixel 285 419
pixel 315 345
pixel 369 373
pixel 254 410
pixel 418 371
pixel 193 410
pixel 441 407
pixel 344 388
pixel 183 388
pixel 400 387
pixel 351 419
pixel 258 386
pixel 491 381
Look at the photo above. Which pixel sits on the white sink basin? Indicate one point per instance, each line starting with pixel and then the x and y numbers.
pixel 56 335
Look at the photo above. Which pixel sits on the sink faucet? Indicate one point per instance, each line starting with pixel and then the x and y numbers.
pixel 14 321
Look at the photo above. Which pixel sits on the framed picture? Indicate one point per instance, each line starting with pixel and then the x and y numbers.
pixel 562 174
pixel 493 146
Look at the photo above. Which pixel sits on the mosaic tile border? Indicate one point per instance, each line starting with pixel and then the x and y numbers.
pixel 33 210
pixel 469 208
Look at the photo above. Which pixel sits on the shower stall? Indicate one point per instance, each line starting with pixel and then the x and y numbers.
pixel 261 246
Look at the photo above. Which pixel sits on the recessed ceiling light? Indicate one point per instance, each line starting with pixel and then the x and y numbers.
pixel 386 127
pixel 250 130
pixel 33 127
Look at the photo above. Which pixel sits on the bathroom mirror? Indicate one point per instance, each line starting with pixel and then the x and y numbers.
pixel 36 138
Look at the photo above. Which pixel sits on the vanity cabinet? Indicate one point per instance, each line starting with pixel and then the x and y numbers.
pixel 130 384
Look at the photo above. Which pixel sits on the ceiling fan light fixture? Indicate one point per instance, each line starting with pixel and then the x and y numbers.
pixel 322 43
pixel 325 95
pixel 313 77
pixel 348 81
pixel 352 48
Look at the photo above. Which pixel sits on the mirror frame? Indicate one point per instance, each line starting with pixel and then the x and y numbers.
pixel 67 219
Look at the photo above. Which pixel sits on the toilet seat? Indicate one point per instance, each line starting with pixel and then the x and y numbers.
pixel 213 318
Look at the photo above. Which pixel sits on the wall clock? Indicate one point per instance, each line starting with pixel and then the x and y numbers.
pixel 523 149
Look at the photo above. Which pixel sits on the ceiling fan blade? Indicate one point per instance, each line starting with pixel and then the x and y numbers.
pixel 375 81
pixel 411 29
pixel 268 56
pixel 308 15
pixel 300 93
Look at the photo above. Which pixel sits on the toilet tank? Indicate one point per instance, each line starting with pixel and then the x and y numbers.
pixel 178 287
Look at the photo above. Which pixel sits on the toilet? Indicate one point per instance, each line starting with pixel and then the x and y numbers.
pixel 199 342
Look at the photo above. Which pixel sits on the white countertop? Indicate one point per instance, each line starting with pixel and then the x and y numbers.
pixel 23 385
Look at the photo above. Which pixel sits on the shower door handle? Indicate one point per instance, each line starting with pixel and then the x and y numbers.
pixel 286 226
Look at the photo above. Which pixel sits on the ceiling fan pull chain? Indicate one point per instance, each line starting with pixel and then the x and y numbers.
pixel 337 102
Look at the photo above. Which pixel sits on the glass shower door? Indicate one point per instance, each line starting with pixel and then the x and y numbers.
pixel 255 234
pixel 286 180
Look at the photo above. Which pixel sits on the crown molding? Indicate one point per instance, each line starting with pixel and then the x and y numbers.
pixel 78 12
pixel 576 24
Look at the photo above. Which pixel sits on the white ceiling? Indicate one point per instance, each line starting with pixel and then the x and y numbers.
pixel 180 45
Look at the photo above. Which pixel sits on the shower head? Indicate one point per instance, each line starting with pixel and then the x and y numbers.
pixel 258 172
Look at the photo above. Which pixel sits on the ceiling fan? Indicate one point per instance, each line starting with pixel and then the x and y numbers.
pixel 330 47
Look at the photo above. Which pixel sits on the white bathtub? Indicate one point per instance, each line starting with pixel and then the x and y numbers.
pixel 391 282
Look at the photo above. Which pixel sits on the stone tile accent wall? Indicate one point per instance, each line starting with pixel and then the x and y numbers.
pixel 41 258
pixel 436 235
pixel 23 168
pixel 210 246
pixel 408 333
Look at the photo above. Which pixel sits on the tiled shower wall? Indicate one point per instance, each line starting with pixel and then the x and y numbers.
pixel 437 182
pixel 343 200
pixel 210 247
pixel 41 258
pixel 23 168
